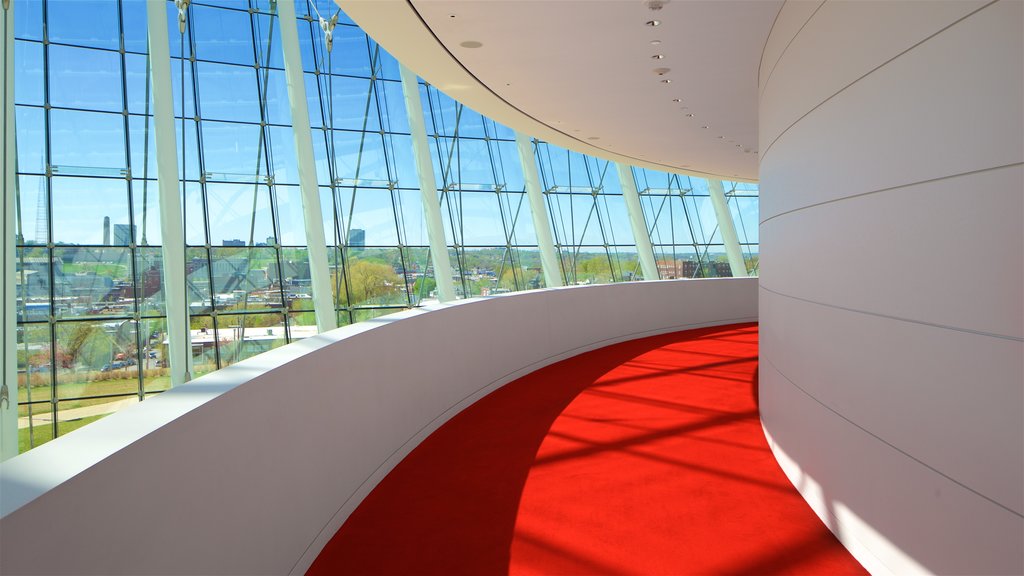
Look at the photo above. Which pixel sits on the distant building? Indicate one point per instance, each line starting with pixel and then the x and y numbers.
pixel 106 230
pixel 357 238
pixel 234 242
pixel 668 269
pixel 124 234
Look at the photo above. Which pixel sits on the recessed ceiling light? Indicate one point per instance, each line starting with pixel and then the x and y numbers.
pixel 654 22
pixel 662 71
pixel 655 42
pixel 658 56
pixel 451 15
pixel 689 115
pixel 593 137
pixel 704 127
pixel 666 81
pixel 677 99
pixel 471 44
pixel 720 137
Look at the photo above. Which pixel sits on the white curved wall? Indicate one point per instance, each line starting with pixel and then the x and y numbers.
pixel 892 276
pixel 251 469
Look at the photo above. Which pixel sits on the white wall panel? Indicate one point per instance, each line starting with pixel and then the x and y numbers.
pixel 842 42
pixel 916 252
pixel 892 272
pixel 920 388
pixel 790 19
pixel 898 516
pixel 949 106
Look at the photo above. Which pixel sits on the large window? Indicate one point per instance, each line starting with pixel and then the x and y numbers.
pixel 379 254
pixel 92 332
pixel 588 216
pixel 483 199
pixel 91 326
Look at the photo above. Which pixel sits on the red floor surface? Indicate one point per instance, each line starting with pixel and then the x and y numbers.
pixel 645 457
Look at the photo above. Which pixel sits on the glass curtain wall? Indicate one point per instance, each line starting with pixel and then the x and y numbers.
pixel 588 216
pixel 373 215
pixel 248 279
pixel 683 226
pixel 91 325
pixel 744 201
pixel 91 328
pixel 483 200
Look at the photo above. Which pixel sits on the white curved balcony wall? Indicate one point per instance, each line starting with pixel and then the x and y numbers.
pixel 251 469
pixel 892 317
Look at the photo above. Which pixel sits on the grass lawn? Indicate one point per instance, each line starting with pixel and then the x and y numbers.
pixel 44 433
pixel 126 386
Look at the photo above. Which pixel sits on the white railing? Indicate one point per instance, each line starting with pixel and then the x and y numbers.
pixel 251 469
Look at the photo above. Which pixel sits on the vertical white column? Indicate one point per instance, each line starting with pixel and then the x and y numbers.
pixel 728 229
pixel 9 381
pixel 539 211
pixel 312 212
pixel 428 188
pixel 172 234
pixel 644 250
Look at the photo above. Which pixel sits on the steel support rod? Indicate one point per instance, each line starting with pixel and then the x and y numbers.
pixel 727 228
pixel 539 210
pixel 428 187
pixel 644 250
pixel 312 212
pixel 172 234
pixel 9 382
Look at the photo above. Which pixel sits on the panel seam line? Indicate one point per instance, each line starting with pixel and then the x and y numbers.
pixel 891 188
pixel 782 54
pixel 891 445
pixel 891 317
pixel 870 72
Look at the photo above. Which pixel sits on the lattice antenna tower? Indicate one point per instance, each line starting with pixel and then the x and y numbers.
pixel 41 214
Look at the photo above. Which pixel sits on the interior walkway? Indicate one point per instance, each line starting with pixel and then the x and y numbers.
pixel 645 457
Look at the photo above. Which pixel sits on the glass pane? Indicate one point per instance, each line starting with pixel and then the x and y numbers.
pixel 240 214
pixel 32 281
pixel 32 227
pixel 85 79
pixel 246 335
pixel 154 355
pixel 92 281
pixel 31 143
pixel 83 23
pixel 87 140
pixel 372 278
pixel 228 92
pixel 96 359
pixel 148 289
pixel 222 35
pixel 91 211
pixel 28 72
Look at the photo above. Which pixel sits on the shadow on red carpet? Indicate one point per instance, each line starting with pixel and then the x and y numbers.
pixel 645 457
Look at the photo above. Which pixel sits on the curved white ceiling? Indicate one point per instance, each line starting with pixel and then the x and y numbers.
pixel 583 74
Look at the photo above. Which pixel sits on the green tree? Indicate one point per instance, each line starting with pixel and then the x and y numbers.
pixel 372 282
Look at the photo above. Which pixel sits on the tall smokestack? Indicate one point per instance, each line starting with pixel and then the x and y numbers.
pixel 106 230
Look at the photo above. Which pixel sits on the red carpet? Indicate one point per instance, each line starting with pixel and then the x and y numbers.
pixel 645 457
